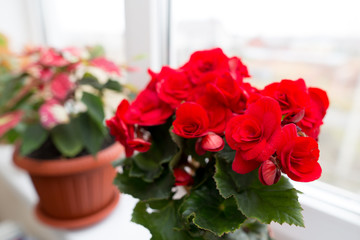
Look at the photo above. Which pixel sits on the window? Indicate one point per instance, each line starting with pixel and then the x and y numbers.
pixel 85 22
pixel 315 40
pixel 63 23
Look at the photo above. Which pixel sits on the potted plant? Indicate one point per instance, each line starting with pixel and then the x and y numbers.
pixel 54 109
pixel 211 150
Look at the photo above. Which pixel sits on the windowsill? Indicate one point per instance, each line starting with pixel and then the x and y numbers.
pixel 329 213
pixel 18 198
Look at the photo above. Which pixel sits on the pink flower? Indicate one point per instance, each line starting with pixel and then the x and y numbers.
pixel 61 86
pixel 52 113
pixel 46 74
pixel 9 120
pixel 51 58
pixel 106 65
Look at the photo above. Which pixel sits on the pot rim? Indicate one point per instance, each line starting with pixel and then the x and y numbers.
pixel 65 166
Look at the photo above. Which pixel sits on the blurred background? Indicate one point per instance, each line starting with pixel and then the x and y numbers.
pixel 315 40
pixel 279 39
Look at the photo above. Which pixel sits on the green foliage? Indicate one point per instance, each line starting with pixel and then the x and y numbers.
pixel 89 79
pixel 95 109
pixel 34 136
pixel 148 165
pixel 227 153
pixel 210 211
pixel 113 85
pixel 161 218
pixel 159 188
pixel 220 204
pixel 10 87
pixel 96 51
pixel 278 202
pixel 67 139
pixel 250 230
pixel 91 135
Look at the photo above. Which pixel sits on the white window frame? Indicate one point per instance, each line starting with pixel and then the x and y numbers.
pixel 146 35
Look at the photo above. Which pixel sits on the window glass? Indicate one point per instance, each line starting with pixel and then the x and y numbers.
pixel 315 40
pixel 84 22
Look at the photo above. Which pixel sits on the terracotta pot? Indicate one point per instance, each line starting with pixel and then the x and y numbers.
pixel 73 193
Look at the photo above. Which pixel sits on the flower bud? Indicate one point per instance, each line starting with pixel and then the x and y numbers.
pixel 182 178
pixel 139 144
pixel 269 174
pixel 212 142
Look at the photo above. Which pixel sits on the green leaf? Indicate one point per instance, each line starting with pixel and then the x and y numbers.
pixel 176 139
pixel 66 139
pixel 92 137
pixel 113 85
pixel 210 211
pixel 227 153
pixel 160 134
pixel 89 79
pixel 95 108
pixel 148 165
pixel 189 149
pixel 121 162
pixel 161 218
pixel 11 136
pixel 278 202
pixel 96 51
pixel 160 188
pixel 250 230
pixel 34 136
pixel 23 101
pixel 10 88
pixel 180 155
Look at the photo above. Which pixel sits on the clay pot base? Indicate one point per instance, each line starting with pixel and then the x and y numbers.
pixel 78 222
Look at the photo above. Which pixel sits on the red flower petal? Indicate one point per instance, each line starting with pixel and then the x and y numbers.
pixel 191 121
pixel 242 166
pixel 212 142
pixel 182 178
pixel 139 144
pixel 269 174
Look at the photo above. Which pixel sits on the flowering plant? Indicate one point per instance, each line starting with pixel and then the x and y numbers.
pixel 226 142
pixel 8 61
pixel 55 101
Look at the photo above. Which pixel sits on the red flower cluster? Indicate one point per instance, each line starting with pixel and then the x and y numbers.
pixel 211 102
